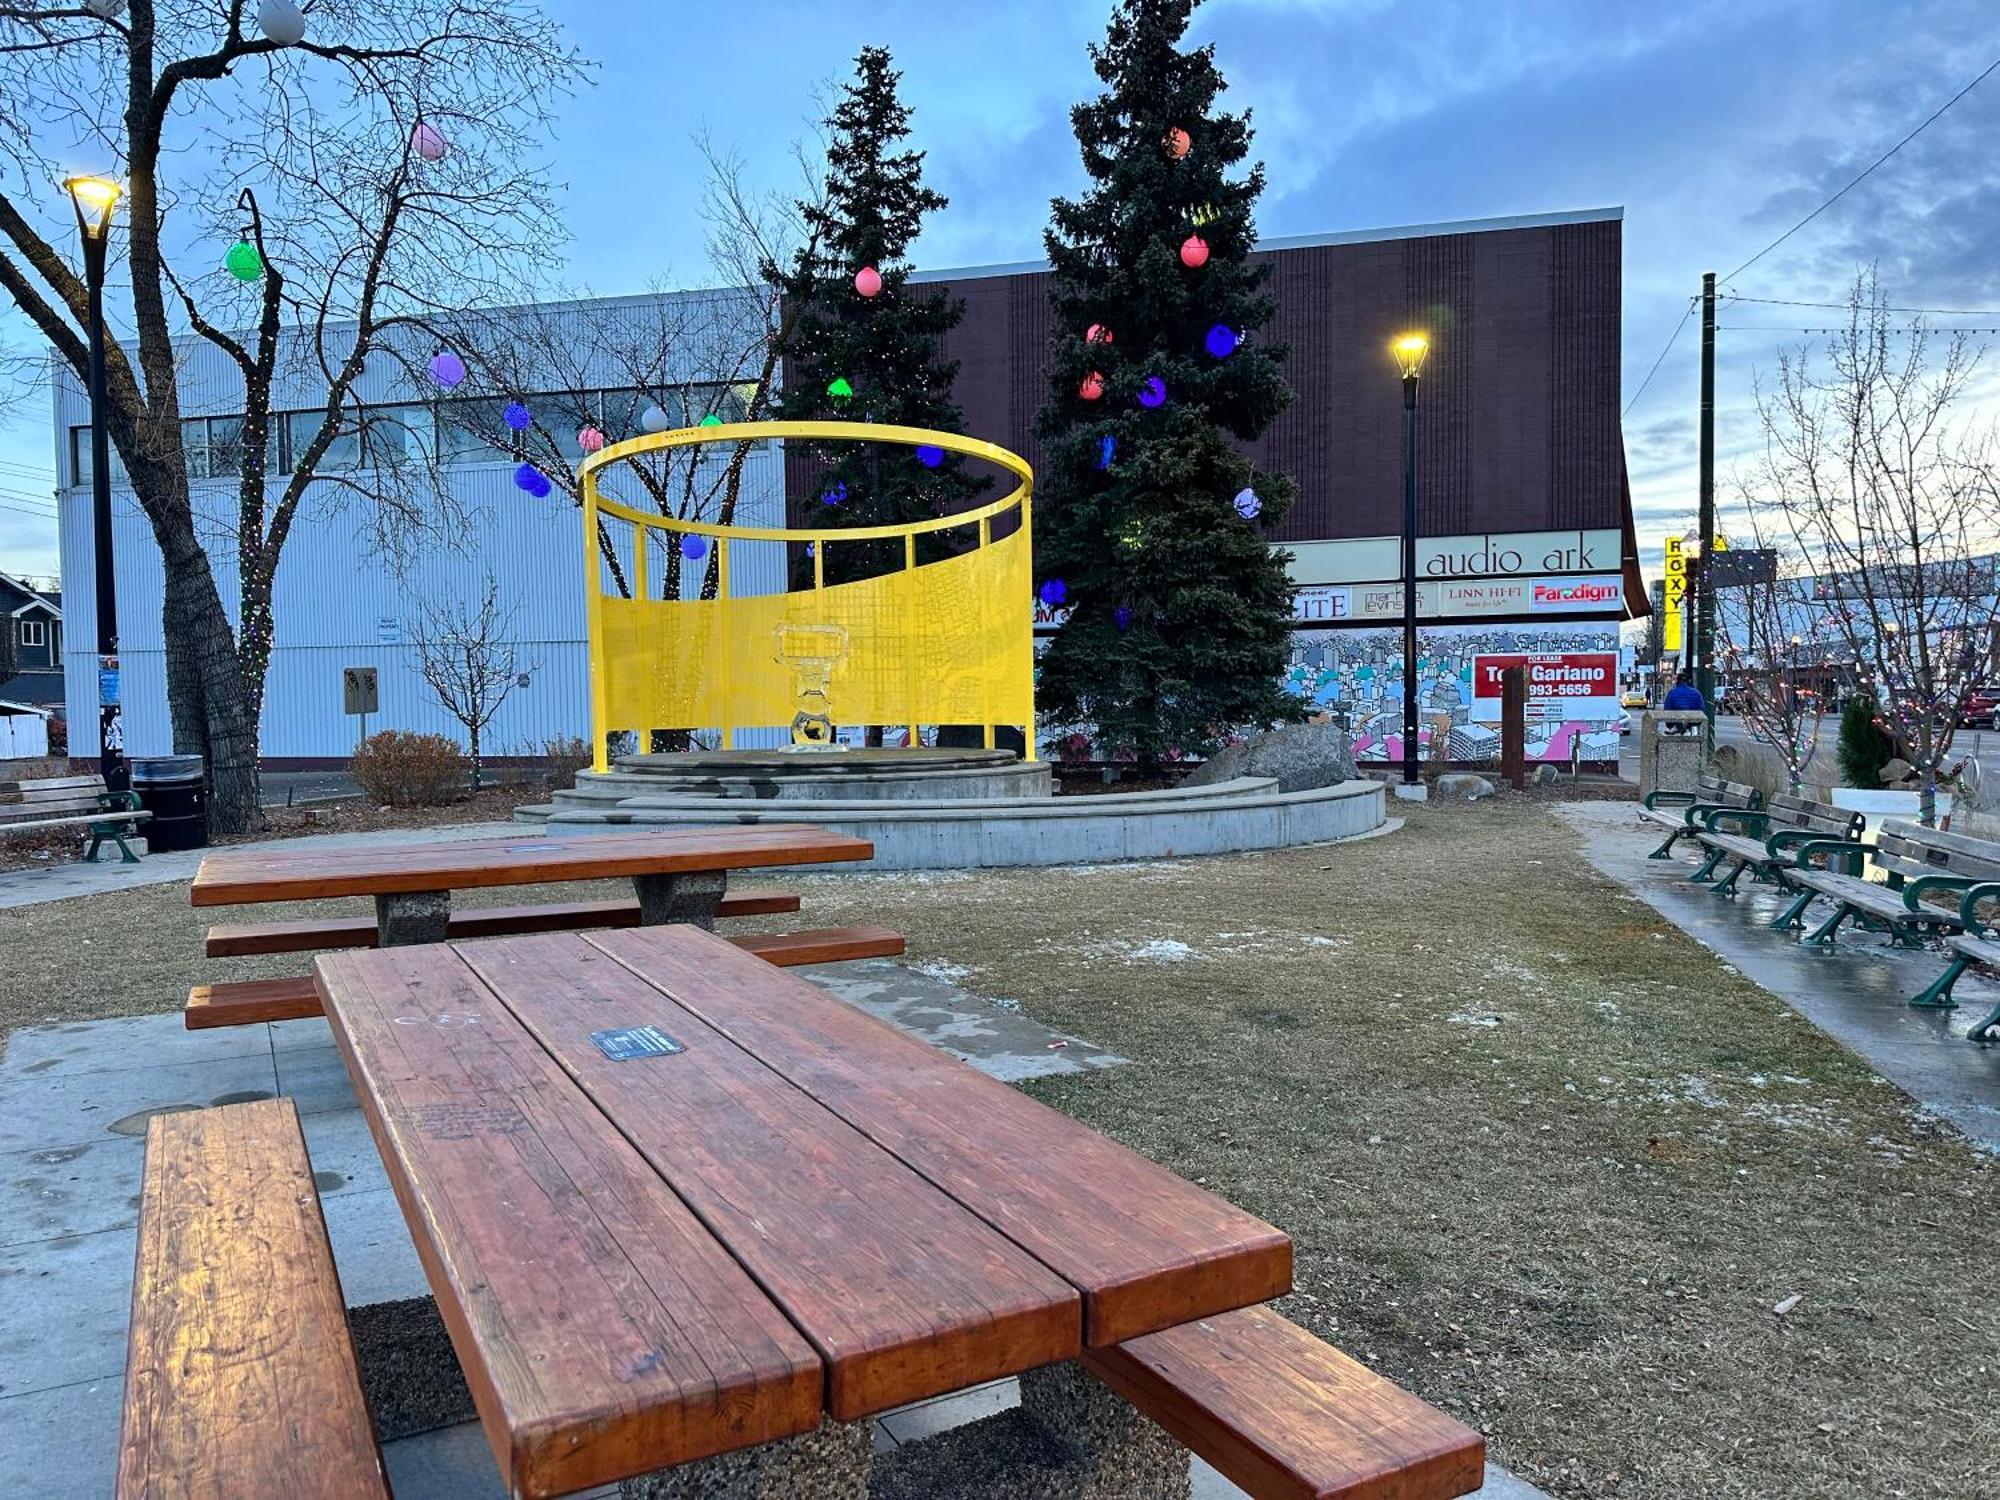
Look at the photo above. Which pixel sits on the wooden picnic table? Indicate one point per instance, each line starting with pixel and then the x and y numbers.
pixel 674 1202
pixel 678 874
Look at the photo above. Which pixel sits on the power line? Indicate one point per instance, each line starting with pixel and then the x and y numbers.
pixel 1865 171
pixel 1776 328
pixel 1941 312
pixel 39 515
pixel 1660 361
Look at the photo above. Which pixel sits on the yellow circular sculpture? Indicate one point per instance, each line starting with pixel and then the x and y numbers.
pixel 948 641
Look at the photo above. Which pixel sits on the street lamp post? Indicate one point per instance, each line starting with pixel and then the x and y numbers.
pixel 1410 350
pixel 94 199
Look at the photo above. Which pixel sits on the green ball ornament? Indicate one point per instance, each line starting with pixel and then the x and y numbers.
pixel 243 261
pixel 711 420
pixel 839 389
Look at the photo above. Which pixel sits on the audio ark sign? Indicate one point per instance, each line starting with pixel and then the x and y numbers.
pixel 1513 553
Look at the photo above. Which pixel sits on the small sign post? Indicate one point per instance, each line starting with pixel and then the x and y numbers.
pixel 359 695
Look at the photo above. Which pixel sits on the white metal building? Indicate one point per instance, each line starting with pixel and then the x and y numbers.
pixel 342 602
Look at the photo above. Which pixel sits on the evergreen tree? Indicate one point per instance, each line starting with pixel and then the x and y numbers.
pixel 858 358
pixel 1180 613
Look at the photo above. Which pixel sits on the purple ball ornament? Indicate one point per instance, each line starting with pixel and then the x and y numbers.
pixel 1153 392
pixel 1107 450
pixel 517 416
pixel 1053 591
pixel 1122 618
pixel 447 369
pixel 1247 504
pixel 930 455
pixel 1221 341
pixel 833 494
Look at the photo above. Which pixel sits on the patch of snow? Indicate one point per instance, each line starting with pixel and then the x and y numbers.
pixel 1474 1018
pixel 938 968
pixel 1161 951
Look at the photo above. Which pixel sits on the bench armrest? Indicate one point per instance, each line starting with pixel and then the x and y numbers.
pixel 1652 800
pixel 1723 812
pixel 1968 905
pixel 1786 839
pixel 1915 890
pixel 1754 823
pixel 126 801
pixel 1833 849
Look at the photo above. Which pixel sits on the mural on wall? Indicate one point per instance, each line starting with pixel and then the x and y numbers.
pixel 1359 674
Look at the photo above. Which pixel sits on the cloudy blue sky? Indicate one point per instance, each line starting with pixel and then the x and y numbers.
pixel 1715 125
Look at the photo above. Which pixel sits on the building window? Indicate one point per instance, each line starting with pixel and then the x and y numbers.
pixel 79 457
pixel 34 632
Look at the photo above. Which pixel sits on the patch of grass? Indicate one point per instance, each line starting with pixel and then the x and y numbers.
pixel 1545 1159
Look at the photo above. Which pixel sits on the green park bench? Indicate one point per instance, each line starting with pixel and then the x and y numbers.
pixel 1916 862
pixel 1978 943
pixel 1681 812
pixel 1767 839
pixel 81 802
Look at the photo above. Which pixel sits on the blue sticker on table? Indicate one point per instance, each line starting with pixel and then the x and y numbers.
pixel 627 1042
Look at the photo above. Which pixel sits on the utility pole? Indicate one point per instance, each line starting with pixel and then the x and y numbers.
pixel 1704 599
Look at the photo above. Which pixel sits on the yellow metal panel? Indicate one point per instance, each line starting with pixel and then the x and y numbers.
pixel 941 642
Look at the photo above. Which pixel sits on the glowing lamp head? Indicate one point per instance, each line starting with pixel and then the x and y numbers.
pixel 95 198
pixel 1410 350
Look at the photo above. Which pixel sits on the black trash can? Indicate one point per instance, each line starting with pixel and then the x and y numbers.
pixel 170 788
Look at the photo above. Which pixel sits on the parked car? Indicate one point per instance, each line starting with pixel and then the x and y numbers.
pixel 1979 709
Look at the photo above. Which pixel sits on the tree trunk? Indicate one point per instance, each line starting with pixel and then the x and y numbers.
pixel 475 759
pixel 212 706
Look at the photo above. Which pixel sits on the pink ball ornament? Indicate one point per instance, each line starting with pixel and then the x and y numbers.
pixel 1097 333
pixel 589 439
pixel 428 141
pixel 1178 143
pixel 1092 388
pixel 447 369
pixel 868 281
pixel 1194 252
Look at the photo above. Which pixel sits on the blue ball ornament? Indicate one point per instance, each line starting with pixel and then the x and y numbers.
pixel 1122 617
pixel 517 416
pixel 1107 449
pixel 693 545
pixel 1153 392
pixel 1053 591
pixel 833 494
pixel 531 479
pixel 1247 504
pixel 930 455
pixel 1221 341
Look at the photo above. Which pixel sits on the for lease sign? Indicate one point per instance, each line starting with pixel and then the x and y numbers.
pixel 1562 685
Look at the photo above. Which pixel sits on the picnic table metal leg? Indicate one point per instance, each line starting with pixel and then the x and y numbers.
pixel 833 1461
pixel 680 898
pixel 406 917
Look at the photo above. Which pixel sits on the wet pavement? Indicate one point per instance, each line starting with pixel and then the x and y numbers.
pixel 1857 991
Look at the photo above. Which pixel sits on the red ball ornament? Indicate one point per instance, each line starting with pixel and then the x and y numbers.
pixel 1178 143
pixel 1097 333
pixel 1092 388
pixel 868 281
pixel 1194 252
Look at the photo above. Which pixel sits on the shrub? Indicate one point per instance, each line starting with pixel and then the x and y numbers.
pixel 567 758
pixel 399 769
pixel 1864 748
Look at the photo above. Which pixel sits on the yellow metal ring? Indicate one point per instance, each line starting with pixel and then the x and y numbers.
pixel 839 432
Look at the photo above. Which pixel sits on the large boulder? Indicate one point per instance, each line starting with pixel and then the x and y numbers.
pixel 1299 756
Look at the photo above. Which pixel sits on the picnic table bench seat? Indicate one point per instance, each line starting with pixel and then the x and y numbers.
pixel 241 939
pixel 241 1378
pixel 1287 1417
pixel 1766 840
pixel 1681 812
pixel 244 1002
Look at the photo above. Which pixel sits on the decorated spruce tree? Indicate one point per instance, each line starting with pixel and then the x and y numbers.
pixel 865 344
pixel 1150 520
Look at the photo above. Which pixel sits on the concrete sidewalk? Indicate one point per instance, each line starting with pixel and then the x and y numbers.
pixel 1857 992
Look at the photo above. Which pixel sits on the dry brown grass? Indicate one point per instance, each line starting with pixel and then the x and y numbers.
pixel 1546 1160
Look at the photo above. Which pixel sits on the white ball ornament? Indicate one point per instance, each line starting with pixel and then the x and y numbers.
pixel 281 21
pixel 652 419
pixel 105 10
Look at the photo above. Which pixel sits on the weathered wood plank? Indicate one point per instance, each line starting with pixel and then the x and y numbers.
pixel 904 1293
pixel 241 1378
pixel 1147 1249
pixel 237 876
pixel 1287 1417
pixel 239 939
pixel 603 1330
